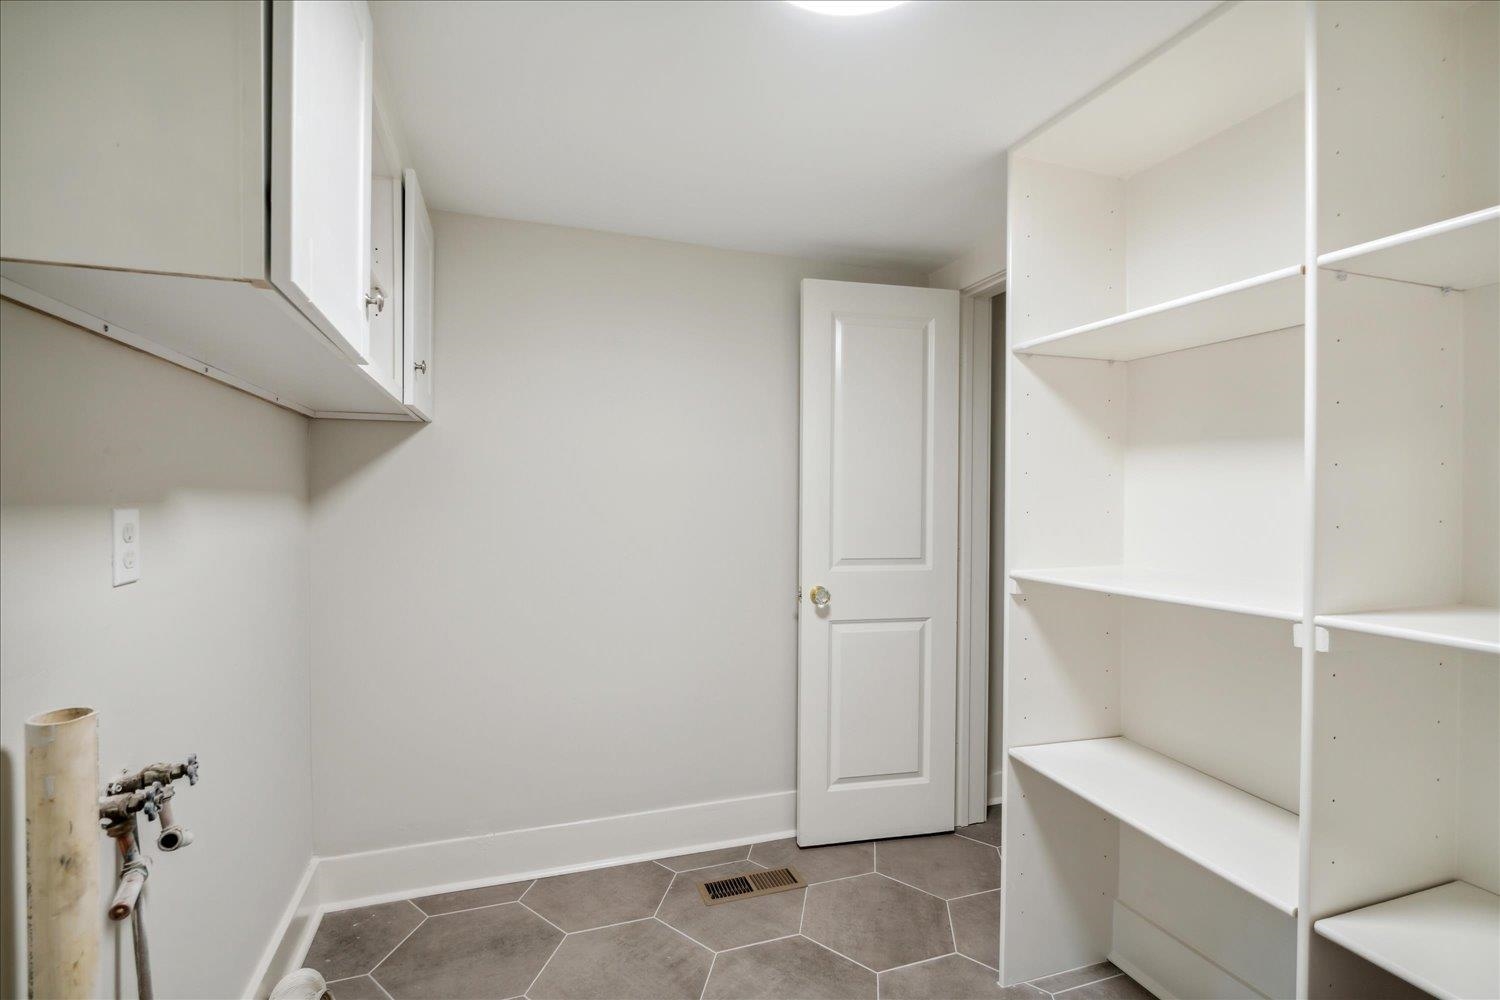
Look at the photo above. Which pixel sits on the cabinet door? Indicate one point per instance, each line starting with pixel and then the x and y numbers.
pixel 416 298
pixel 322 59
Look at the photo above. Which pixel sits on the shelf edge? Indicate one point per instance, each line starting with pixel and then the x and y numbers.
pixel 1270 277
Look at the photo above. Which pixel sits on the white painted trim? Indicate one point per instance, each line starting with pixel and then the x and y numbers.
pixel 291 938
pixel 1306 737
pixel 363 878
pixel 971 772
pixel 997 787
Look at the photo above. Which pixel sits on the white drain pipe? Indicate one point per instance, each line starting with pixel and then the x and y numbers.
pixel 62 853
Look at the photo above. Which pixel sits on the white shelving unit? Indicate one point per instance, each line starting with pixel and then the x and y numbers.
pixel 1255 336
pixel 1459 626
pixel 1445 940
pixel 1266 302
pixel 1460 253
pixel 1244 840
pixel 1171 588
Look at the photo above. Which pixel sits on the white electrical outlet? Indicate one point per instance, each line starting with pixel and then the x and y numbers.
pixel 127 546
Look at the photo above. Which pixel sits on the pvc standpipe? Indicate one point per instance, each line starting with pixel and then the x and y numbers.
pixel 62 853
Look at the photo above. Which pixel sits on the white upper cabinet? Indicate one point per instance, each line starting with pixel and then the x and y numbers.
pixel 322 77
pixel 138 144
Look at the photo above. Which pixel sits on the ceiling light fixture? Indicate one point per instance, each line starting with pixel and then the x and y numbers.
pixel 846 8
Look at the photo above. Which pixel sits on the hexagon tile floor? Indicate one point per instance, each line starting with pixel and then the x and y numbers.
pixel 911 918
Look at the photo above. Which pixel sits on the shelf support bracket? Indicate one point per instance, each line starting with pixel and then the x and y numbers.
pixel 1012 586
pixel 1320 637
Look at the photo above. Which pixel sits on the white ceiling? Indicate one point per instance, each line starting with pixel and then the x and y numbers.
pixel 747 124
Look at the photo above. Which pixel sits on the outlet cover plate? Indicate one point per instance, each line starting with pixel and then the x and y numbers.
pixel 126 527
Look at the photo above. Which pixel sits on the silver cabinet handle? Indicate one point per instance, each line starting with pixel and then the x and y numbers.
pixel 375 297
pixel 420 366
pixel 819 597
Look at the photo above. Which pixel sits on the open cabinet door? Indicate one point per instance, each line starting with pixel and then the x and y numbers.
pixel 877 627
pixel 417 298
pixel 322 100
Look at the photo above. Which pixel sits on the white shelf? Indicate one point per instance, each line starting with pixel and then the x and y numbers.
pixel 1444 940
pixel 1172 588
pixel 1244 840
pixel 1462 252
pixel 1260 304
pixel 1462 626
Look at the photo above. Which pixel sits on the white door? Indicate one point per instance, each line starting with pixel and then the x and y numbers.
pixel 417 273
pixel 877 664
pixel 322 100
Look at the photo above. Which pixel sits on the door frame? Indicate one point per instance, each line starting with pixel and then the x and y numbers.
pixel 972 792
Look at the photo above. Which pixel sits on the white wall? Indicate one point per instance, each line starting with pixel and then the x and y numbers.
pixel 207 653
pixel 572 595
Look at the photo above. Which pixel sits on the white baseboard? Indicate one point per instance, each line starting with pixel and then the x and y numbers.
pixel 290 940
pixel 341 881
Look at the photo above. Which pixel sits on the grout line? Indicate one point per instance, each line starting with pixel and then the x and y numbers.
pixel 843 878
pixel 1092 982
pixel 555 949
pixel 381 987
pixel 752 944
pixel 971 895
pixel 665 893
pixel 711 963
pixel 840 954
pixel 605 927
pixel 976 840
pixel 910 886
pixel 409 933
pixel 538 915
pixel 684 934
pixel 952 928
pixel 471 909
pixel 802 917
pixel 923 961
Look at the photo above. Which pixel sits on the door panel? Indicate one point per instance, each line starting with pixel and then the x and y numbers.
pixel 879 532
pixel 322 103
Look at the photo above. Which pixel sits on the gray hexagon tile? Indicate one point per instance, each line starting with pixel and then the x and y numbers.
pixel 816 864
pixel 359 988
pixel 597 898
pixel 987 832
pixel 733 924
pixel 492 952
pixel 1120 987
pixel 468 899
pixel 352 942
pixel 1074 978
pixel 705 859
pixel 976 926
pixel 953 976
pixel 879 923
pixel 644 960
pixel 942 864
pixel 793 967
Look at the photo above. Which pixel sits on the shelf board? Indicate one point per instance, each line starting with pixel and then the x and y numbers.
pixel 1244 840
pixel 1462 626
pixel 1261 304
pixel 1171 588
pixel 1462 252
pixel 1444 940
